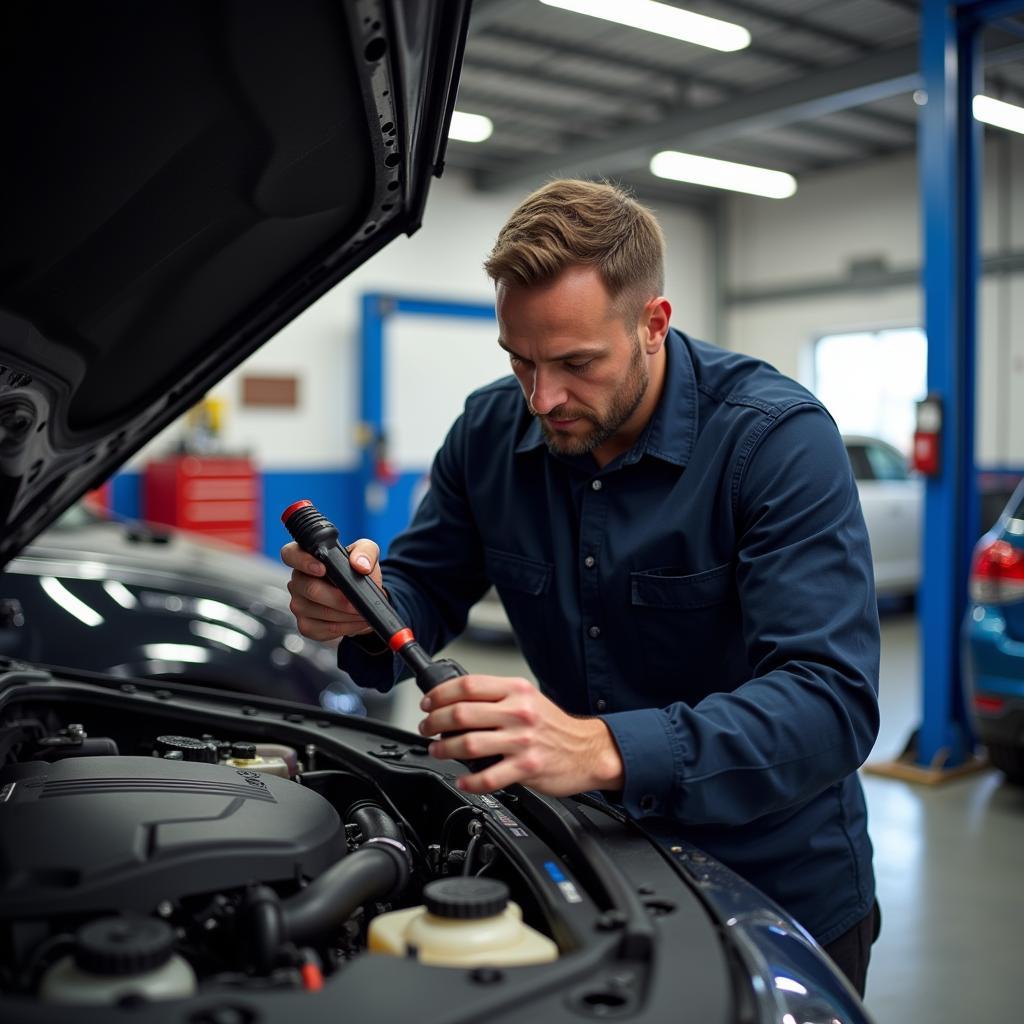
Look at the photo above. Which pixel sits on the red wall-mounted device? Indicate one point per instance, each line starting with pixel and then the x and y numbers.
pixel 927 457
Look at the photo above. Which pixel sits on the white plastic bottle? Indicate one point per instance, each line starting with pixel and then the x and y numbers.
pixel 116 957
pixel 466 922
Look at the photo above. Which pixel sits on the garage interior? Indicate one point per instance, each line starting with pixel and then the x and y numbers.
pixel 901 250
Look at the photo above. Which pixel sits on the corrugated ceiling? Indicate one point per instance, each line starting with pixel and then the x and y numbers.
pixel 823 84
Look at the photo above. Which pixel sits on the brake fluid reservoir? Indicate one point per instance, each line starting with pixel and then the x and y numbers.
pixel 116 957
pixel 245 755
pixel 466 922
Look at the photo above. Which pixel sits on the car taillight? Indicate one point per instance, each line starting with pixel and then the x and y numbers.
pixel 997 575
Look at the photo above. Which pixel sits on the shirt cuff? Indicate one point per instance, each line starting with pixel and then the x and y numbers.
pixel 651 761
pixel 368 661
pixel 368 643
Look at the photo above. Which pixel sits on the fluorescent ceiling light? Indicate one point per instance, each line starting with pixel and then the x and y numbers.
pixel 470 127
pixel 702 170
pixel 998 113
pixel 662 19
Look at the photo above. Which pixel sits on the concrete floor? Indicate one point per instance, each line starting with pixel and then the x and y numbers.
pixel 947 859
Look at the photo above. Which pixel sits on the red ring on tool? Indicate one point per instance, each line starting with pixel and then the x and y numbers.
pixel 312 977
pixel 400 639
pixel 304 503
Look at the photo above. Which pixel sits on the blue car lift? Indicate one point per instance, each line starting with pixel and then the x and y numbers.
pixel 950 150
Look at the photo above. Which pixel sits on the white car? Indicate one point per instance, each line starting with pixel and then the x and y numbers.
pixel 890 495
pixel 892 499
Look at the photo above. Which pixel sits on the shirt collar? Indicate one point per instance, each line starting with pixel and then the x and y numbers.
pixel 672 431
pixel 533 437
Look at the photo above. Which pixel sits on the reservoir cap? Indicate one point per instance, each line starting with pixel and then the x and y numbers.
pixel 130 944
pixel 465 898
pixel 189 747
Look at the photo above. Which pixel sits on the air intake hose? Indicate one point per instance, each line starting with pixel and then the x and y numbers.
pixel 378 870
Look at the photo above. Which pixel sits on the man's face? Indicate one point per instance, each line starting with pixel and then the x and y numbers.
pixel 583 369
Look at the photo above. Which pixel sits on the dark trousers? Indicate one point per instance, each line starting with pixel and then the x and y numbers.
pixel 852 950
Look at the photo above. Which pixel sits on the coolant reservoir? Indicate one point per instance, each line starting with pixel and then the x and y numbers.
pixel 116 957
pixel 467 922
pixel 246 755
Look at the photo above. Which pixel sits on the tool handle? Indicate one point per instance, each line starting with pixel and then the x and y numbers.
pixel 318 537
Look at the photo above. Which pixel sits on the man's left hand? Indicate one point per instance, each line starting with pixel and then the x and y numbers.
pixel 539 744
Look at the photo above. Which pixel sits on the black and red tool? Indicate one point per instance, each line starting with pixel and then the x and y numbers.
pixel 318 537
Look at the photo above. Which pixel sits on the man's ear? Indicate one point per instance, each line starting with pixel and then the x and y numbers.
pixel 654 322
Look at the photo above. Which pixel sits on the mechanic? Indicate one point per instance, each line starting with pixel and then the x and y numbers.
pixel 676 536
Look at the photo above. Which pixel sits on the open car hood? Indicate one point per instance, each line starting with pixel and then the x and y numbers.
pixel 182 180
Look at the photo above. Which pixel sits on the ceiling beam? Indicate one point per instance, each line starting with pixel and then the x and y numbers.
pixel 556 76
pixel 865 80
pixel 557 48
pixel 678 78
pixel 798 24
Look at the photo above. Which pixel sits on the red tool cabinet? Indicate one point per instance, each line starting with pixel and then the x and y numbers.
pixel 212 495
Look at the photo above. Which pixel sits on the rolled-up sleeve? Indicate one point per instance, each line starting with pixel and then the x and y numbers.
pixel 808 715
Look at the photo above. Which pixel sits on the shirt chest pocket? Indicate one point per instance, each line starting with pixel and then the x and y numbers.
pixel 688 631
pixel 518 573
pixel 669 588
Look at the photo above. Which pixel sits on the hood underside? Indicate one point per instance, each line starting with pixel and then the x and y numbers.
pixel 182 179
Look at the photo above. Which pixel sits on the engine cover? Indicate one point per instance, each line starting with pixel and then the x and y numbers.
pixel 91 834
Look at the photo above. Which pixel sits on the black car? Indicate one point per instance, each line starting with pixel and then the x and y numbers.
pixel 183 179
pixel 132 599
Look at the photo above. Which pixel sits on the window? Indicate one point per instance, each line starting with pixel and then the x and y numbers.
pixel 859 461
pixel 886 463
pixel 869 382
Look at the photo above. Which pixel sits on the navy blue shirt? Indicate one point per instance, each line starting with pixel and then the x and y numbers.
pixel 708 593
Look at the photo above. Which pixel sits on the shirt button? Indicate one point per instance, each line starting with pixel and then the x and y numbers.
pixel 596 485
pixel 647 802
pixel 590 561
pixel 594 632
pixel 601 705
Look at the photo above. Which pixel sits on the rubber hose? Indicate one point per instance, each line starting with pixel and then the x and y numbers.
pixel 264 926
pixel 374 871
pixel 374 821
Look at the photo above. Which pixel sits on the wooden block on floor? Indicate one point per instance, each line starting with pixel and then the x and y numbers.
pixel 908 770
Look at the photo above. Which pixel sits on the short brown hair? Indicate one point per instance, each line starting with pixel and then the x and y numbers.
pixel 572 223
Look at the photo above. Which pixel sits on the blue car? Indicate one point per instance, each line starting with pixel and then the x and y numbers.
pixel 994 640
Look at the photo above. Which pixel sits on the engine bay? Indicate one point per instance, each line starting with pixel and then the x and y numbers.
pixel 174 846
pixel 255 855
pixel 248 854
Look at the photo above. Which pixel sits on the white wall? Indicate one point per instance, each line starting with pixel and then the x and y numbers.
pixel 442 261
pixel 873 211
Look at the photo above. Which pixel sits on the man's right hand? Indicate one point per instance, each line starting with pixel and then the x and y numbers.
pixel 321 611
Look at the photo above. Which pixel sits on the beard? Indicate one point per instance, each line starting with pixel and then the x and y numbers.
pixel 603 425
